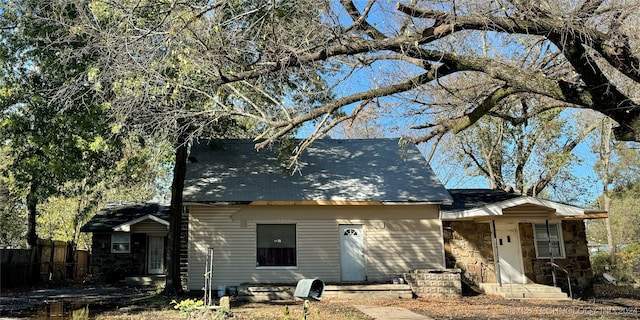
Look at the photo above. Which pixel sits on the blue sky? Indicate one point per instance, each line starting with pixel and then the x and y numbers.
pixel 378 74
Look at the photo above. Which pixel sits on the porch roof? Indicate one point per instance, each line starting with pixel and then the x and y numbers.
pixel 478 203
pixel 119 216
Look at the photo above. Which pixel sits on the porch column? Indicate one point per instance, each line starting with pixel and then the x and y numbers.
pixel 496 252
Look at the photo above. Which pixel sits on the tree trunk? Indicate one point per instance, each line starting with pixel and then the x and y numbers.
pixel 32 203
pixel 605 157
pixel 607 224
pixel 173 282
pixel 32 236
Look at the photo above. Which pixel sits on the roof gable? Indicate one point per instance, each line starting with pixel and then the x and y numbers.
pixel 126 227
pixel 333 169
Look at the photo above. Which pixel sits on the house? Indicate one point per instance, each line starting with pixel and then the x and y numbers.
pixel 356 214
pixel 536 241
pixel 357 211
pixel 129 239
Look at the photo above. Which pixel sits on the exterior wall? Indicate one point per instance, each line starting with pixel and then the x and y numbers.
pixel 576 259
pixel 150 227
pixel 468 246
pixel 115 266
pixel 400 246
pixel 397 239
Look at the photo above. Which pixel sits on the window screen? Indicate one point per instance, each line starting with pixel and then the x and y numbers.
pixel 548 243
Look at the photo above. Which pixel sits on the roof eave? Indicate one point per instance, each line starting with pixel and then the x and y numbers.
pixel 495 209
pixel 315 202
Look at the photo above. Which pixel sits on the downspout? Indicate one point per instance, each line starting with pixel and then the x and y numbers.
pixel 553 270
pixel 496 252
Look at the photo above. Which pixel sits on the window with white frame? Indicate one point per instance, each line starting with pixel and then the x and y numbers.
pixel 120 243
pixel 548 241
pixel 276 245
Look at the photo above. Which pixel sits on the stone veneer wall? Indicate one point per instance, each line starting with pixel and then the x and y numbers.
pixel 115 266
pixel 428 283
pixel 468 246
pixel 576 259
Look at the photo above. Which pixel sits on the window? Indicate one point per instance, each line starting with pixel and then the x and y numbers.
pixel 548 242
pixel 276 245
pixel 120 243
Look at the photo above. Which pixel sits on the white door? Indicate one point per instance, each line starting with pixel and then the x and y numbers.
pixel 156 255
pixel 509 252
pixel 352 253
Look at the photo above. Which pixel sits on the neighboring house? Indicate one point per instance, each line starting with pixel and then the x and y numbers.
pixel 129 239
pixel 527 235
pixel 357 211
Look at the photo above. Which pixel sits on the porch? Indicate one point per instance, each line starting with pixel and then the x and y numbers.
pixel 440 283
pixel 521 242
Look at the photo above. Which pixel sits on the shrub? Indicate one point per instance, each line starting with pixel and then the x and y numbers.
pixel 600 263
pixel 627 267
pixel 630 257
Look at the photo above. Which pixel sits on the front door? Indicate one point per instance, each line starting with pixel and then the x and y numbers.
pixel 156 255
pixel 352 264
pixel 509 252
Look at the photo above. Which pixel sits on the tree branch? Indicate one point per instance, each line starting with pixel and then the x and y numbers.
pixel 360 20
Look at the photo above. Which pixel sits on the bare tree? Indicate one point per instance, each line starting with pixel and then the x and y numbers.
pixel 516 151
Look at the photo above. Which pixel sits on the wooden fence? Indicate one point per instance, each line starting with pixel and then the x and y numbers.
pixel 49 261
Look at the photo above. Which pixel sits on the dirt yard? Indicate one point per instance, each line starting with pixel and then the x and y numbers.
pixel 612 303
pixel 479 307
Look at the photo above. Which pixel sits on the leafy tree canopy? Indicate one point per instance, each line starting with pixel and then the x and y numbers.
pixel 283 63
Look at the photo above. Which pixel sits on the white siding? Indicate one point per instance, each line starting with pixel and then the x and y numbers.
pixel 402 245
pixel 392 246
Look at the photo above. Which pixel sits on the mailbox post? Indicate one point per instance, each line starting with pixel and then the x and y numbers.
pixel 309 288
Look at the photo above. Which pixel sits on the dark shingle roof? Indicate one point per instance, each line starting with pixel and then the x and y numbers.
pixel 117 213
pixel 333 169
pixel 465 199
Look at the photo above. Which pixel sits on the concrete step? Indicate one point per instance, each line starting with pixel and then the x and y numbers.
pixel 519 288
pixel 536 295
pixel 524 291
pixel 145 281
